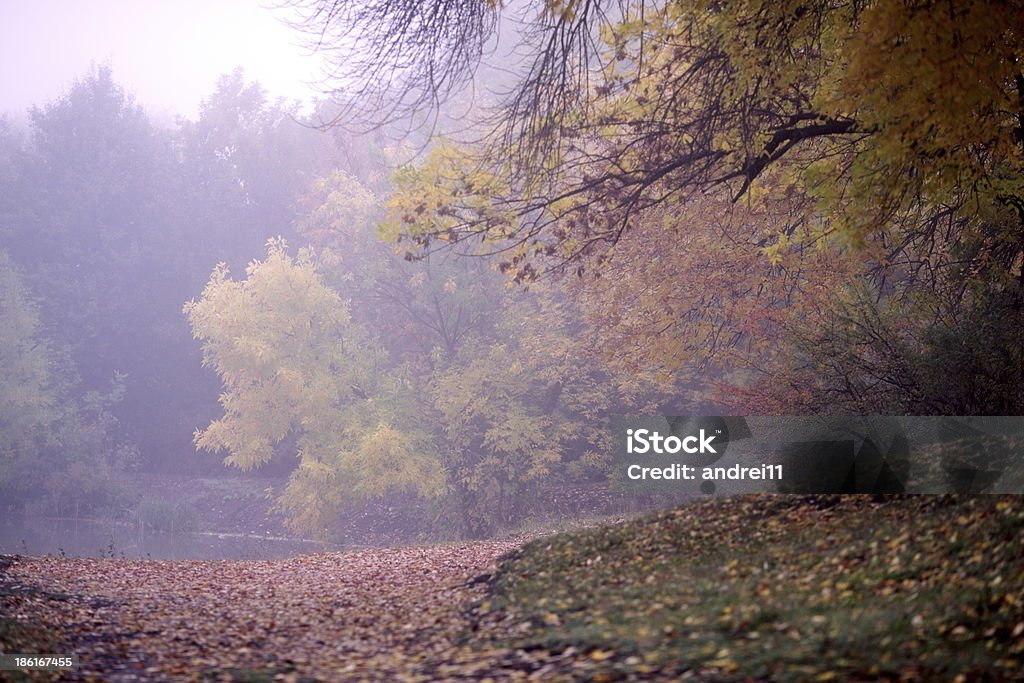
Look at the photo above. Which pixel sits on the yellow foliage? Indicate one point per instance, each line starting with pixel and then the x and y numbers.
pixel 292 362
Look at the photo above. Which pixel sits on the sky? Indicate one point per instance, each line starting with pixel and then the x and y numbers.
pixel 167 53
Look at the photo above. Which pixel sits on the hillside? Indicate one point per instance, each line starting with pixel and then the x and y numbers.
pixel 778 588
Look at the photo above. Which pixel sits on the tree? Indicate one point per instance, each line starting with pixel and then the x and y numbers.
pixel 689 98
pixel 28 395
pixel 249 159
pixel 393 59
pixel 415 307
pixel 55 447
pixel 519 409
pixel 115 222
pixel 92 212
pixel 890 132
pixel 94 170
pixel 293 363
pixel 496 371
pixel 896 358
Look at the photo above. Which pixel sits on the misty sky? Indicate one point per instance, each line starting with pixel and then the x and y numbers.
pixel 168 53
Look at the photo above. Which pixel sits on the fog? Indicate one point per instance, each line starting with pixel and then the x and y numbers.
pixel 228 330
pixel 144 145
pixel 167 54
pixel 503 340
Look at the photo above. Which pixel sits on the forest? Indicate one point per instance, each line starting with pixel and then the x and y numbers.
pixel 429 377
pixel 417 306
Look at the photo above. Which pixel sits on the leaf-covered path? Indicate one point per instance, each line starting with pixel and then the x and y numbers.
pixel 384 614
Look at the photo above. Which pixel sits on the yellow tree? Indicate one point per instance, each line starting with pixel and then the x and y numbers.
pixel 892 131
pixel 292 362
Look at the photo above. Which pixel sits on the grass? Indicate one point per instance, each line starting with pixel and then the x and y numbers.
pixel 781 588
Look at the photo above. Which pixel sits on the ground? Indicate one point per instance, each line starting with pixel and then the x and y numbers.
pixel 751 588
pixel 388 614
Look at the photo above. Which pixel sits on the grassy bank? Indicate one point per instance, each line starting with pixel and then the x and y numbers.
pixel 780 588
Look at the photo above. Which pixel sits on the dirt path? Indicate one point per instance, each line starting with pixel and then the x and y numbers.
pixel 388 614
